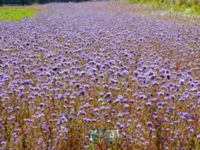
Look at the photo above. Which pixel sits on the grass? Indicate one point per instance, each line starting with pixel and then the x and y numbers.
pixel 16 13
pixel 186 8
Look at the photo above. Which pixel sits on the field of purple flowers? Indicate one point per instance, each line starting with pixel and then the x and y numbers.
pixel 89 66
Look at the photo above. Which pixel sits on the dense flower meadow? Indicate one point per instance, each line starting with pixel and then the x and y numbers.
pixel 75 68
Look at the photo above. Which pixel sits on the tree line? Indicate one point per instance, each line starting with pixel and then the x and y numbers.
pixel 28 2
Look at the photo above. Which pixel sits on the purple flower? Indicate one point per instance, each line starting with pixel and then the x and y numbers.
pixel 149 124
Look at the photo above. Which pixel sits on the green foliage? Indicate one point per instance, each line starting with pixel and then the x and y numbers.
pixel 183 6
pixel 1 2
pixel 28 2
pixel 16 14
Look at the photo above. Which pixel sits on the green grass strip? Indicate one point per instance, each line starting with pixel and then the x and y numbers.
pixel 16 13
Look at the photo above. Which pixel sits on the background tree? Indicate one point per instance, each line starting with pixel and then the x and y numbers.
pixel 1 2
pixel 22 2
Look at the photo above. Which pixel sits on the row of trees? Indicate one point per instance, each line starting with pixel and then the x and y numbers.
pixel 28 2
